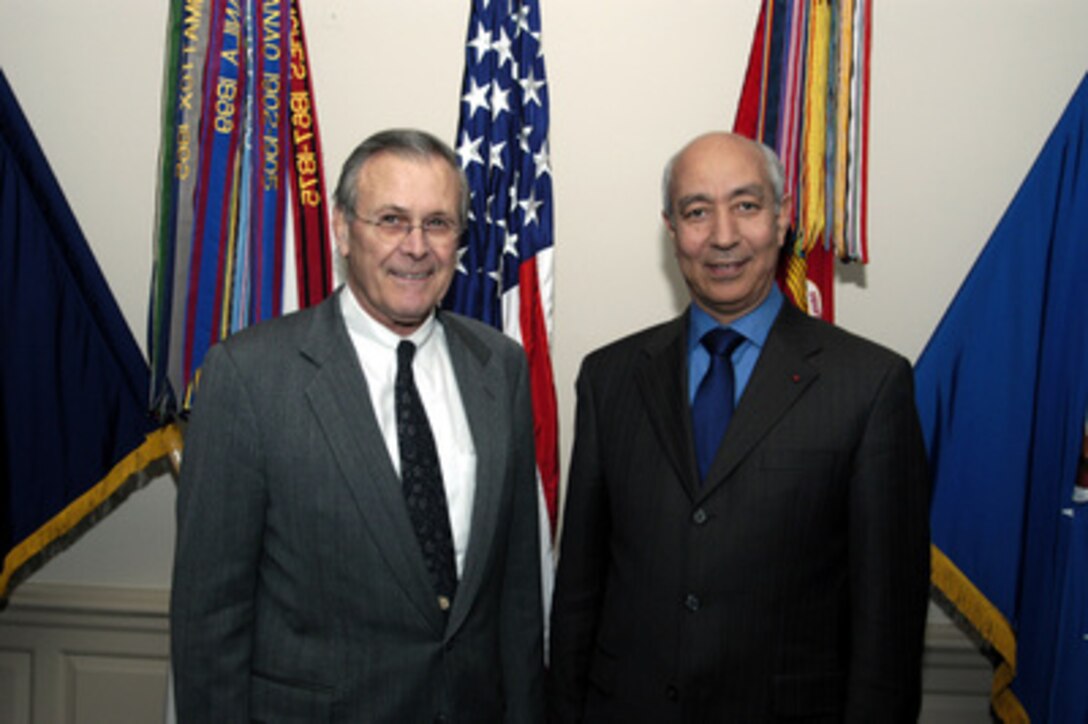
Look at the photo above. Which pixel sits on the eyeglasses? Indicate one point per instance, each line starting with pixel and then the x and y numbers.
pixel 395 227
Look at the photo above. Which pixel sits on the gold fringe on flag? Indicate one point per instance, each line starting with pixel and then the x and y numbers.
pixel 133 472
pixel 990 624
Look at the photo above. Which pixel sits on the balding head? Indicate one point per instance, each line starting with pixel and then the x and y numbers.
pixel 772 167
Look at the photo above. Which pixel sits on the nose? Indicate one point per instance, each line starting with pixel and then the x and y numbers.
pixel 723 230
pixel 415 242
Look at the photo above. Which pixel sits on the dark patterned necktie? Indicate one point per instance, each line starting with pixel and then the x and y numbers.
pixel 712 407
pixel 421 478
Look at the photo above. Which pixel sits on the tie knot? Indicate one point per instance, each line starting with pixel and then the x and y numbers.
pixel 721 342
pixel 405 352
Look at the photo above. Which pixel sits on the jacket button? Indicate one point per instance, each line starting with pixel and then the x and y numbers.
pixel 691 603
pixel 699 517
pixel 672 693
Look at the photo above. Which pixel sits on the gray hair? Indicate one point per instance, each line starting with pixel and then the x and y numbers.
pixel 772 166
pixel 405 143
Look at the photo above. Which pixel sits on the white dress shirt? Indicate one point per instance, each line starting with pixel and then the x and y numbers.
pixel 376 348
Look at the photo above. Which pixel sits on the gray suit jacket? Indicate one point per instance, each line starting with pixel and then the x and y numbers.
pixel 300 593
pixel 790 585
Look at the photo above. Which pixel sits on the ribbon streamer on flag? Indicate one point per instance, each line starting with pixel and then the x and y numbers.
pixel 239 128
pixel 504 273
pixel 806 94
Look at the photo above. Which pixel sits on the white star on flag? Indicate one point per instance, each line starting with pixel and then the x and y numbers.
pixel 542 161
pixel 524 135
pixel 481 43
pixel 522 19
pixel 511 245
pixel 502 48
pixel 530 206
pixel 531 86
pixel 469 151
pixel 476 98
pixel 504 271
pixel 496 154
pixel 500 99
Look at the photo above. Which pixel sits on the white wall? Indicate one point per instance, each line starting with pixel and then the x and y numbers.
pixel 963 96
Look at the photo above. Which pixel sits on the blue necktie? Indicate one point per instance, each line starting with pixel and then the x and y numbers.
pixel 421 478
pixel 712 407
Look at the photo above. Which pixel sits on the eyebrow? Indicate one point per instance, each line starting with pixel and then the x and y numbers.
pixel 384 208
pixel 404 211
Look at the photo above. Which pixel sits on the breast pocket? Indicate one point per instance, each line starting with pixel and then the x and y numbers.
pixel 798 459
pixel 794 469
pixel 804 490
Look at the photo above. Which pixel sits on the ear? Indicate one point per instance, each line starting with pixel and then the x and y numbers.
pixel 669 225
pixel 341 231
pixel 785 210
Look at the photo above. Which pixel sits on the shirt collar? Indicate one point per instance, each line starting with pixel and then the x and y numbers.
pixel 360 322
pixel 755 325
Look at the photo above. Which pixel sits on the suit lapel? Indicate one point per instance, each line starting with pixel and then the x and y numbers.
pixel 480 395
pixel 662 379
pixel 340 400
pixel 782 374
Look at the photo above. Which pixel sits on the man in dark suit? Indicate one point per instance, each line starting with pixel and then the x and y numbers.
pixel 345 553
pixel 779 570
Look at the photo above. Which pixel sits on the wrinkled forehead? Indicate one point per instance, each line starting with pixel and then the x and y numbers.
pixel 719 165
pixel 388 176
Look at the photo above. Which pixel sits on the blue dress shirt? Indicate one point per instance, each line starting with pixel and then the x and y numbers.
pixel 755 325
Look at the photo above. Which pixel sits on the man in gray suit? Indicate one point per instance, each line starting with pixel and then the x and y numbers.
pixel 774 571
pixel 344 552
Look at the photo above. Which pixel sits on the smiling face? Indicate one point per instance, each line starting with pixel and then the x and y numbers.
pixel 724 225
pixel 399 278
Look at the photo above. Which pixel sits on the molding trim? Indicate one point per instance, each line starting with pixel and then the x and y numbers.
pixel 946 636
pixel 69 605
pixel 91 599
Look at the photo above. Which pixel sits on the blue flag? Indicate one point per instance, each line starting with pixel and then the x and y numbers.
pixel 73 383
pixel 1002 391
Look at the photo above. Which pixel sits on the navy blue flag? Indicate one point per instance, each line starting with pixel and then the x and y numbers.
pixel 1002 391
pixel 504 272
pixel 73 383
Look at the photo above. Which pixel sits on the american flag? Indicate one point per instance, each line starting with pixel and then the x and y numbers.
pixel 504 273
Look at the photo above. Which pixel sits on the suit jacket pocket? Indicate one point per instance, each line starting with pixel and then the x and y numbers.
pixel 275 700
pixel 806 695
pixel 797 459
